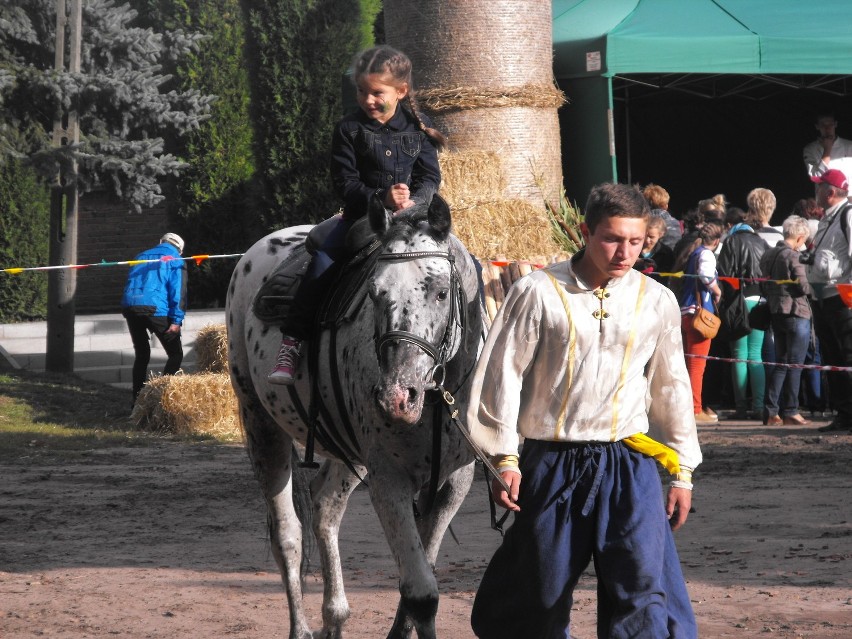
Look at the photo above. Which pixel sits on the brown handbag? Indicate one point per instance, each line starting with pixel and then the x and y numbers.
pixel 705 322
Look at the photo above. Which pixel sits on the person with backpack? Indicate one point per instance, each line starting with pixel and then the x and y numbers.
pixel 832 265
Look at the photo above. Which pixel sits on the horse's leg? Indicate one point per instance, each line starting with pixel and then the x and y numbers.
pixel 330 490
pixel 447 502
pixel 432 528
pixel 392 497
pixel 270 449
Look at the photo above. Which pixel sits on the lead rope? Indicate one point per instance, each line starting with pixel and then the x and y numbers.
pixel 449 403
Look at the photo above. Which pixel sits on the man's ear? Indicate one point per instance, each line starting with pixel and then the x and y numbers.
pixel 584 231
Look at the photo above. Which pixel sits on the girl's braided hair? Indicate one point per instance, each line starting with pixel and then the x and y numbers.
pixel 385 60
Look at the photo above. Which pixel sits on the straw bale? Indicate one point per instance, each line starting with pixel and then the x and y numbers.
pixel 198 404
pixel 505 229
pixel 211 349
pixel 469 177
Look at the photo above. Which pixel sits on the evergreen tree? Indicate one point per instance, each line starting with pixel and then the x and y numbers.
pixel 123 101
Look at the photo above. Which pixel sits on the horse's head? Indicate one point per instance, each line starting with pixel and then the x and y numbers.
pixel 420 289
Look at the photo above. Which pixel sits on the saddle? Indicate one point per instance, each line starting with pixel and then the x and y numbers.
pixel 346 293
pixel 340 304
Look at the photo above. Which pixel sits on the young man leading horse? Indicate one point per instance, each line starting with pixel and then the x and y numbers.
pixel 584 360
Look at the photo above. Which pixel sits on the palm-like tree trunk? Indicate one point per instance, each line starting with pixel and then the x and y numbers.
pixel 483 70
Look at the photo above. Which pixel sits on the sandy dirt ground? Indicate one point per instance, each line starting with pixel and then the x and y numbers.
pixel 168 541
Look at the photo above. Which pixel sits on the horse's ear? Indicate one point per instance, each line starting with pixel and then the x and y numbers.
pixel 379 218
pixel 439 216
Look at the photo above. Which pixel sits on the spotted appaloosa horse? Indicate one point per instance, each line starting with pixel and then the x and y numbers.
pixel 423 287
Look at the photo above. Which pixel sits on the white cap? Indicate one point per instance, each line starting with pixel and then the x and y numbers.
pixel 174 239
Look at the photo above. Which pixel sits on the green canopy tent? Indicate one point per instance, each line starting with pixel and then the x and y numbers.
pixel 701 96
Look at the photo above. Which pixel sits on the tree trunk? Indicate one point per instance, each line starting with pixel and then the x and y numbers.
pixel 64 201
pixel 62 283
pixel 484 71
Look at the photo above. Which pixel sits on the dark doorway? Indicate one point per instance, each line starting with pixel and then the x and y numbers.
pixel 695 141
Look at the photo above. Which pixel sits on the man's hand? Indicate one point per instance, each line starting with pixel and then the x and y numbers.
pixel 174 328
pixel 677 506
pixel 501 498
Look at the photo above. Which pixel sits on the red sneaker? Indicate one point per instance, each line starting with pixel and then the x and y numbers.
pixel 287 362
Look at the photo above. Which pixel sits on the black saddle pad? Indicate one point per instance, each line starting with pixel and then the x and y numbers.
pixel 341 301
pixel 348 292
pixel 272 302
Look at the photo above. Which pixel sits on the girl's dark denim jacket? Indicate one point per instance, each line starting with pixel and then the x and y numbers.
pixel 369 157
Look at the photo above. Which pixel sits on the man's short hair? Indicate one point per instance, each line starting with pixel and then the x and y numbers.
pixel 824 113
pixel 614 200
pixel 657 196
pixel 734 215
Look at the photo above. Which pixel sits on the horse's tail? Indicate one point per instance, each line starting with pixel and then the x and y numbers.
pixel 262 445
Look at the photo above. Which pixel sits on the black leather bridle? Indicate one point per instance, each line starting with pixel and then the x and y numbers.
pixel 440 352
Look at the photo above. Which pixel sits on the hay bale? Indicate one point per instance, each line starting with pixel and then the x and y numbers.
pixel 504 229
pixel 469 177
pixel 491 225
pixel 199 404
pixel 211 349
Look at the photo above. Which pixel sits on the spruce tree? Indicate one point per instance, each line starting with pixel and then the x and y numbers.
pixel 125 104
pixel 122 103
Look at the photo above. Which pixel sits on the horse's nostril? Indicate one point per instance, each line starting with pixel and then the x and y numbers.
pixel 412 395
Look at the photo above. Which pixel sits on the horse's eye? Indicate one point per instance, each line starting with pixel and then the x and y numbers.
pixel 442 295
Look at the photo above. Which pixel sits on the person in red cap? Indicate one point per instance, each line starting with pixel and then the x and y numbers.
pixel 828 150
pixel 832 265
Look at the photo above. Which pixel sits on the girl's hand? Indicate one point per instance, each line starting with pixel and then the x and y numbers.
pixel 397 196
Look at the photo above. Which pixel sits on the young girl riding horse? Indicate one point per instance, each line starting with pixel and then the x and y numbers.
pixel 385 149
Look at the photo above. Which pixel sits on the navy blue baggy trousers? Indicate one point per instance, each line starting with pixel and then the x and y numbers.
pixel 584 502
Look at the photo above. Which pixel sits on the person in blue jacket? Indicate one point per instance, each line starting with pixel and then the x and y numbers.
pixel 155 300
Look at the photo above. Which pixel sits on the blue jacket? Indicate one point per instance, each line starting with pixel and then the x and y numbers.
pixel 159 288
pixel 368 157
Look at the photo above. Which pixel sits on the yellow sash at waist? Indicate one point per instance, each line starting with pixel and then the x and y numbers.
pixel 641 443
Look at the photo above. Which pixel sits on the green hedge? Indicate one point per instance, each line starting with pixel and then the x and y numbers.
pixel 208 201
pixel 298 51
pixel 261 161
pixel 24 228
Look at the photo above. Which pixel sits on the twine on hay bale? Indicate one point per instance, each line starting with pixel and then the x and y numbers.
pixel 530 95
pixel 199 404
pixel 211 349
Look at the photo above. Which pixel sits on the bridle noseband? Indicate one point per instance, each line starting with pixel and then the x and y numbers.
pixel 458 306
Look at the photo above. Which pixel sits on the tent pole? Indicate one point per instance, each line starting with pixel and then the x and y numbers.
pixel 627 134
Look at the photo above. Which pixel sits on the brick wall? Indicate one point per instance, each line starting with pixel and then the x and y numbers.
pixel 109 231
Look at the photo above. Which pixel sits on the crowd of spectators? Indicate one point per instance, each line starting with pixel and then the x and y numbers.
pixel 762 379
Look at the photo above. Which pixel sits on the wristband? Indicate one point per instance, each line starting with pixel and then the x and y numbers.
pixel 682 478
pixel 506 462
